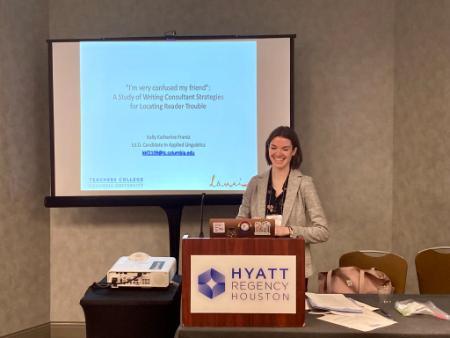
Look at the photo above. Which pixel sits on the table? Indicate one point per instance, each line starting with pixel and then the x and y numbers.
pixel 132 312
pixel 417 326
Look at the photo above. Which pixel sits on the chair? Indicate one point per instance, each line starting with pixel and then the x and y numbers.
pixel 433 270
pixel 391 264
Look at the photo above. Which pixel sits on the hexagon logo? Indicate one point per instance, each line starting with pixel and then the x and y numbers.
pixel 214 288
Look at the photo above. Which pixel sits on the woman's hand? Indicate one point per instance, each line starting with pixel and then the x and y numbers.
pixel 283 231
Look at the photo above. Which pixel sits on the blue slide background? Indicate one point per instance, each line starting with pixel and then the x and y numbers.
pixel 114 134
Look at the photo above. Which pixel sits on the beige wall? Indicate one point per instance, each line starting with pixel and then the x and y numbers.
pixel 24 165
pixel 422 128
pixel 371 86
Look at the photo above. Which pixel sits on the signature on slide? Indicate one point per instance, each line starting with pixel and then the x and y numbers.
pixel 216 183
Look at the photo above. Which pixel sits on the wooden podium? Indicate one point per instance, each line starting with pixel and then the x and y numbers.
pixel 243 282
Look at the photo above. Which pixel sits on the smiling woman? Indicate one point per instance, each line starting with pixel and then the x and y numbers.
pixel 281 152
pixel 283 193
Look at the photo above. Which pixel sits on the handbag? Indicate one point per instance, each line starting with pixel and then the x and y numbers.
pixel 351 279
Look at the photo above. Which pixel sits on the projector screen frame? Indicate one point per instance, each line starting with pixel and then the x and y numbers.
pixel 54 201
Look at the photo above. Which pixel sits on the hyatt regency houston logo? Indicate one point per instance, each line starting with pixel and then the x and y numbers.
pixel 211 283
pixel 243 284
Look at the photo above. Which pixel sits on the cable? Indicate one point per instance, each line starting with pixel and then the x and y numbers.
pixel 106 285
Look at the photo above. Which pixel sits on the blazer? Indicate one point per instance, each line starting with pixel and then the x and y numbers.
pixel 302 209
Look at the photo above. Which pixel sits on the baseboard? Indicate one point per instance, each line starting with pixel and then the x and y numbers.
pixel 68 330
pixel 52 330
pixel 40 331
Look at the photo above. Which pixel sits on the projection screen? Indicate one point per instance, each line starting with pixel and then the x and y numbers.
pixel 158 116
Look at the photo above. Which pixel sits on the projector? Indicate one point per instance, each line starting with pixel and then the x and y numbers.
pixel 141 270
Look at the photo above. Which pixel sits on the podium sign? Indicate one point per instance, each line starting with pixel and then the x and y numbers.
pixel 243 282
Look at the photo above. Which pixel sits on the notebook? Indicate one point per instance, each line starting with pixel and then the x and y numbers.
pixel 241 227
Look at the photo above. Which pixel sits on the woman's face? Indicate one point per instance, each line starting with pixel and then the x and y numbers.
pixel 281 152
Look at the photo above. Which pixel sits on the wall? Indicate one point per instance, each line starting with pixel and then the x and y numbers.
pixel 24 165
pixel 344 58
pixel 422 128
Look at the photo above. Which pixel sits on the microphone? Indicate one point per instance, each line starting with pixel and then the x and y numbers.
pixel 202 204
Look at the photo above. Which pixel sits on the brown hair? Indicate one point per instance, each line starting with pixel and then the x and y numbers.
pixel 290 134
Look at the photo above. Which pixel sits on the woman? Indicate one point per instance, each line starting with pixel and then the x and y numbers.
pixel 285 194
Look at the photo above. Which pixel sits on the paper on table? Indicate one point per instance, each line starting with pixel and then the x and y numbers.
pixel 365 321
pixel 334 302
pixel 364 305
pixel 307 307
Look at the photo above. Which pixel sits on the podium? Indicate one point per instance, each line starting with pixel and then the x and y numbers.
pixel 252 282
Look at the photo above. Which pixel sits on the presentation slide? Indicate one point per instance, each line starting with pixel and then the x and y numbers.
pixel 160 116
pixel 165 117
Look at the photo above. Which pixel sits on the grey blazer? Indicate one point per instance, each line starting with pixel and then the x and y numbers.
pixel 302 209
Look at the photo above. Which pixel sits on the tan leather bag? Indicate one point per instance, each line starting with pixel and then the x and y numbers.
pixel 351 279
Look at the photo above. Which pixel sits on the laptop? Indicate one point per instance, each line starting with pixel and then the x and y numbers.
pixel 241 227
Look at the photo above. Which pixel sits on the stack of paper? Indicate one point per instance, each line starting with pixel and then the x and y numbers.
pixel 332 302
pixel 347 312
